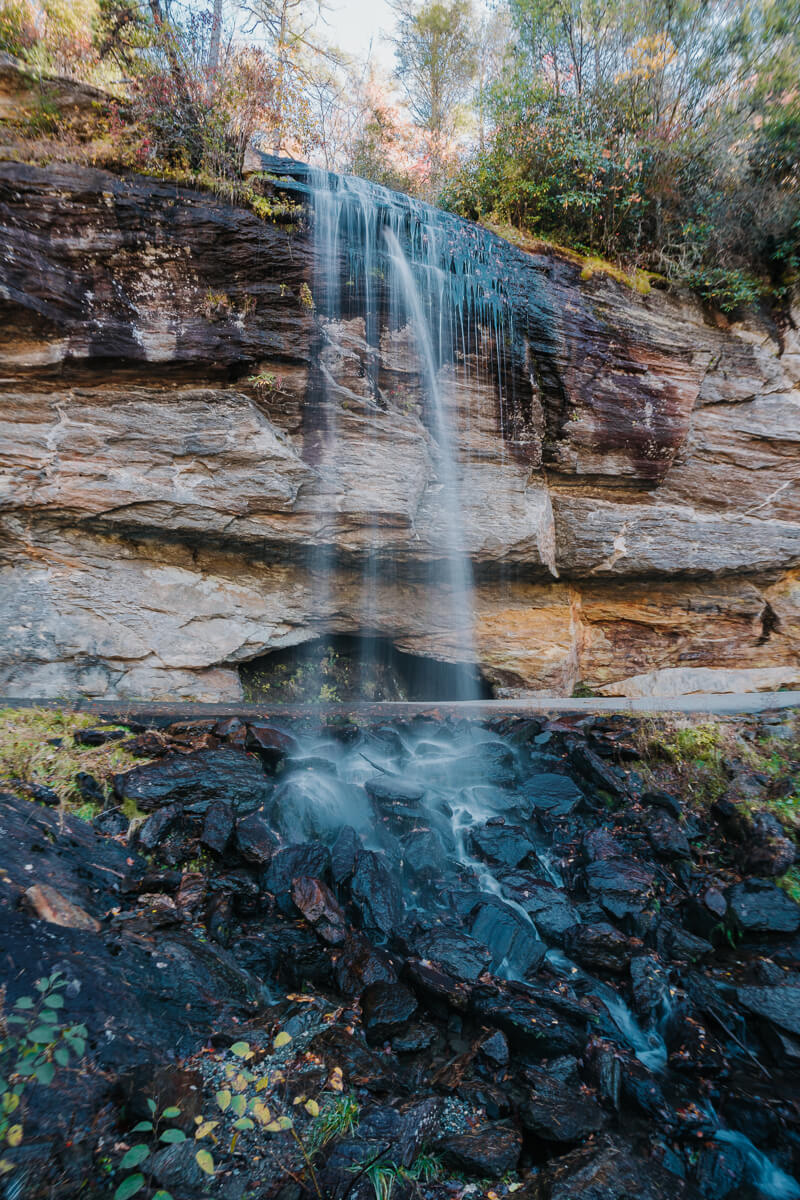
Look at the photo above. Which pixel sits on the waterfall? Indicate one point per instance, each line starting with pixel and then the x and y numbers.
pixel 401 266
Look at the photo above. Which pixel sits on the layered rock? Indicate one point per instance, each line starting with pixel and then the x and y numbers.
pixel 180 496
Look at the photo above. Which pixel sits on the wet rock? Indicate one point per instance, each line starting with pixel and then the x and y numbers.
pixel 419 1036
pixel 387 1009
pixel 438 989
pixel 48 904
pixel 423 853
pixel 157 828
pixel 219 918
pixel 485 1153
pixel 320 907
pixel 542 1024
pixel 343 853
pixel 200 777
pixel 359 964
pixel 599 844
pixel 778 1005
pixel 508 937
pixel 98 737
pixel 675 942
pixel 555 1112
pixel 217 827
pixel 768 850
pixel 462 956
pixel 38 792
pixel 493 1047
pixel 270 743
pixel 376 893
pixel 596 771
pixel 551 794
pixel 664 800
pixel 508 845
pixel 608 1171
pixel 601 946
pixel 309 858
pixel 112 822
pixel 404 1128
pixel 666 837
pixel 90 790
pixel 650 984
pixel 255 841
pixel 757 906
pixel 550 908
pixel 621 885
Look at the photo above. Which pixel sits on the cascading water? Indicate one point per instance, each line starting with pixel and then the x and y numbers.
pixel 395 264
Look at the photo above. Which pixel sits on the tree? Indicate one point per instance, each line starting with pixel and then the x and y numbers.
pixel 436 65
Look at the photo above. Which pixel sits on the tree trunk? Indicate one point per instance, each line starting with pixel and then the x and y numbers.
pixel 216 38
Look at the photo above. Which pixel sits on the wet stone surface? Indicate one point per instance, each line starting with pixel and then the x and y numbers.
pixel 515 964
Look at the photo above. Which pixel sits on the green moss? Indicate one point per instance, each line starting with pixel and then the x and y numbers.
pixel 27 754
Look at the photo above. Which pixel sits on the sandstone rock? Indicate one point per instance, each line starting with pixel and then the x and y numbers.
pixel 156 535
pixel 49 905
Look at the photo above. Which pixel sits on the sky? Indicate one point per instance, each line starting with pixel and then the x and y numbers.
pixel 351 24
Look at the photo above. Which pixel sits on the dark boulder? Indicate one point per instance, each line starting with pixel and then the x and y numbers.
pixel 152 832
pixel 343 853
pixel 270 743
pixel 549 907
pixel 621 886
pixel 663 800
pixel 89 789
pixel 776 1005
pixel 98 737
pixel 399 1131
pixel 387 1008
pixel 217 827
pixel 112 822
pixel 543 1024
pixel 507 936
pixel 485 1153
pixel 376 893
pixel 601 946
pixel 599 844
pixel 358 963
pixel 650 984
pixel 507 845
pixel 556 1112
pixel 759 907
pixel 768 850
pixel 288 864
pixel 551 794
pixel 198 778
pixel 462 956
pixel 423 853
pixel 666 837
pixel 255 841
pixel 608 1171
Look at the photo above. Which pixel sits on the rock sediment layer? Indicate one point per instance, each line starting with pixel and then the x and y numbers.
pixel 632 510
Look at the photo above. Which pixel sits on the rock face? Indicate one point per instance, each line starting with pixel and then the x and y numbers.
pixel 176 499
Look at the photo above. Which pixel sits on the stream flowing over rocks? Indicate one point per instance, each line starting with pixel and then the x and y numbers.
pixel 514 956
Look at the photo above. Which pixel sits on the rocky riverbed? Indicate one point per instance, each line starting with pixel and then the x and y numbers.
pixel 432 958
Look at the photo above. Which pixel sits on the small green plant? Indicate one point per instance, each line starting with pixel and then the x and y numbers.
pixel 328 693
pixel 33 1042
pixel 306 299
pixel 338 1118
pixel 217 304
pixel 790 882
pixel 158 1133
pixel 264 381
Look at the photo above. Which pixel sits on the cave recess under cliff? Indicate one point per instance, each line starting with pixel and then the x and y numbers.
pixel 350 668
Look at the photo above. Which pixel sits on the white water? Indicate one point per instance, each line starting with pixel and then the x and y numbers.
pixel 396 264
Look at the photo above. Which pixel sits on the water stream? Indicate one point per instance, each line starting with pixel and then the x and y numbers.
pixel 400 269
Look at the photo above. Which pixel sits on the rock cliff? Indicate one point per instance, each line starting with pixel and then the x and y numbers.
pixel 631 478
